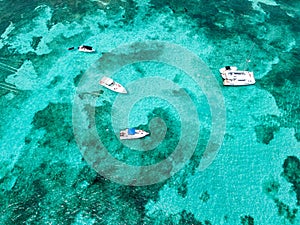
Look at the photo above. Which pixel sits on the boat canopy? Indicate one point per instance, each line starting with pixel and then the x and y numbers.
pixel 238 73
pixel 131 131
pixel 107 80
pixel 88 47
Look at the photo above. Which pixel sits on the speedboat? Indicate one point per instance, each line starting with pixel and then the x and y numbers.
pixel 234 77
pixel 86 48
pixel 132 133
pixel 112 85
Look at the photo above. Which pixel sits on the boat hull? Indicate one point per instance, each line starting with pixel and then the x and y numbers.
pixel 138 134
pixel 112 85
pixel 83 48
pixel 227 82
pixel 233 77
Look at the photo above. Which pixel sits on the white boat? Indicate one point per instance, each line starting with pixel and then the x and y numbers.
pixel 112 85
pixel 86 48
pixel 132 133
pixel 234 77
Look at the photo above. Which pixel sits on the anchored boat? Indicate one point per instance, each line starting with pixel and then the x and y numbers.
pixel 234 77
pixel 112 85
pixel 132 133
pixel 86 48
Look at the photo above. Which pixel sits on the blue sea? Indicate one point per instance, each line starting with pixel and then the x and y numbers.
pixel 215 154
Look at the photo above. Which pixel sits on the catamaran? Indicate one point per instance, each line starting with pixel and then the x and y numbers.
pixel 112 85
pixel 132 133
pixel 234 77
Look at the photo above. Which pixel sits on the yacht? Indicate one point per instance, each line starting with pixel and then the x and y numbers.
pixel 112 85
pixel 234 77
pixel 86 48
pixel 132 133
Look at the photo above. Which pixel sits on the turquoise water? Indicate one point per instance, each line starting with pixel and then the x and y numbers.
pixel 215 155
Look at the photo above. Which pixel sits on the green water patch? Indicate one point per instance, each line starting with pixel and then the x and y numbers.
pixel 56 80
pixel 56 120
pixel 283 82
pixel 188 218
pixel 291 172
pixel 214 17
pixel 130 8
pixel 285 72
pixel 121 12
pixel 280 14
pixel 22 10
pixel 10 62
pixel 181 218
pixel 101 196
pixel 272 188
pixel 247 220
pixel 205 196
pixel 285 211
pixel 269 125
pixel 77 78
pixel 70 10
pixel 35 42
pixel 182 188
pixel 10 104
pixel 38 194
pixel 26 205
pixel 58 44
pixel 179 180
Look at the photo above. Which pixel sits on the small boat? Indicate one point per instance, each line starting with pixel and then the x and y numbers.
pixel 234 77
pixel 85 48
pixel 112 85
pixel 132 133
